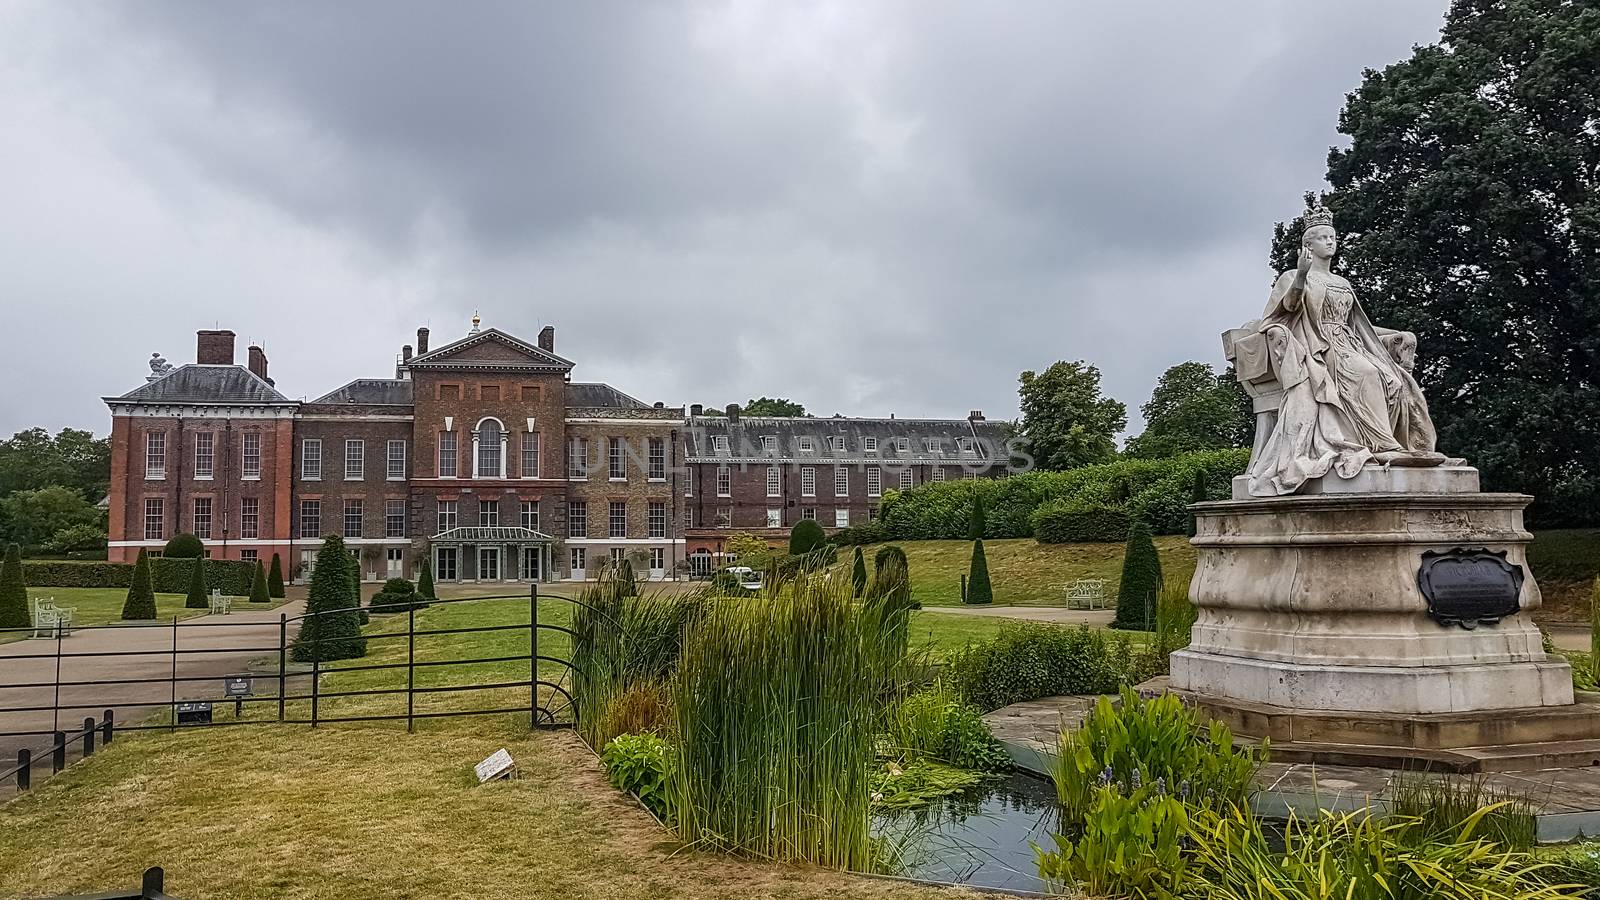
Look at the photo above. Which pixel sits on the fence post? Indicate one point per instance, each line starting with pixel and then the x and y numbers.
pixel 283 660
pixel 88 736
pixel 173 709
pixel 58 753
pixel 108 725
pixel 533 655
pixel 154 882
pixel 411 665
pixel 24 769
pixel 55 714
pixel 316 677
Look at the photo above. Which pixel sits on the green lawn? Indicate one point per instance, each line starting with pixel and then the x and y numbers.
pixel 1024 572
pixel 1565 562
pixel 97 606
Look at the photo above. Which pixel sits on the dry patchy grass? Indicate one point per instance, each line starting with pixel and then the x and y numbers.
pixel 368 812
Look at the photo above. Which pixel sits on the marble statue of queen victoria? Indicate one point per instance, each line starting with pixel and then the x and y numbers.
pixel 1343 389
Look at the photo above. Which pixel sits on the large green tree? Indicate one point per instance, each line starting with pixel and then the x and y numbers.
pixel 1192 408
pixel 774 406
pixel 34 517
pixel 33 459
pixel 1469 202
pixel 1065 420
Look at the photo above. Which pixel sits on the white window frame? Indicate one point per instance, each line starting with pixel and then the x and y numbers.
pixel 841 481
pixel 902 445
pixel 488 513
pixel 656 519
pixel 774 482
pixel 249 518
pixel 311 459
pixel 531 449
pixel 808 512
pixel 155 518
pixel 497 451
pixel 389 516
pixel 355 459
pixel 719 443
pixel 155 456
pixel 615 510
pixel 316 508
pixel 869 445
pixel 616 459
pixel 454 451
pixel 447 515
pixel 908 479
pixel 724 481
pixel 774 517
pixel 841 518
pixel 395 454
pixel 577 459
pixel 578 559
pixel 658 559
pixel 528 514
pixel 938 473
pixel 874 481
pixel 769 443
pixel 688 482
pixel 250 456
pixel 808 481
pixel 195 514
pixel 836 443
pixel 574 507
pixel 967 446
pixel 359 518
pixel 205 455
pixel 805 445
pixel 656 458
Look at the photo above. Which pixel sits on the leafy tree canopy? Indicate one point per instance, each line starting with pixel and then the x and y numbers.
pixel 774 406
pixel 33 459
pixel 1065 420
pixel 1469 202
pixel 1193 408
pixel 33 518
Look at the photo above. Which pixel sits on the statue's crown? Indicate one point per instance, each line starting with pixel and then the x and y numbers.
pixel 1318 215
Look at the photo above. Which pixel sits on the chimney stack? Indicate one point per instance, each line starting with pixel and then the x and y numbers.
pixel 660 405
pixel 733 413
pixel 422 341
pixel 696 410
pixel 405 353
pixel 547 339
pixel 975 416
pixel 214 348
pixel 258 362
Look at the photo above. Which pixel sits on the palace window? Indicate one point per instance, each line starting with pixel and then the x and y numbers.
pixel 967 446
pixel 250 457
pixel 155 525
pixel 444 563
pixel 617 515
pixel 774 518
pixel 774 481
pixel 155 455
pixel 204 454
pixel 938 473
pixel 808 481
pixel 658 558
pixel 311 460
pixel 530 514
pixel 577 519
pixel 657 459
pixel 906 479
pixel 809 512
pixel 249 518
pixel 447 454
pixel 355 460
pixel 488 513
pixel 354 512
pixel 396 469
pixel 836 443
pixel 447 515
pixel 719 442
pixel 657 519
pixel 249 555
pixel 769 443
pixel 490 441
pixel 902 445
pixel 805 445
pixel 841 481
pixel 577 458
pixel 841 518
pixel 724 481
pixel 724 516
pixel 530 454
pixel 869 444
pixel 688 482
pixel 619 460
pixel 394 518
pixel 874 482
pixel 578 557
pixel 202 517
pixel 310 518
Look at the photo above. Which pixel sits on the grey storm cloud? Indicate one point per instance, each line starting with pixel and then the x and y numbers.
pixel 868 207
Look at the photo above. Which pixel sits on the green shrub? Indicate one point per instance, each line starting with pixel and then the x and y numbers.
pixel 978 588
pixel 805 537
pixel 167 576
pixel 275 577
pixel 935 722
pixel 1079 522
pixel 866 533
pixel 398 596
pixel 1151 742
pixel 184 546
pixel 1131 844
pixel 1157 490
pixel 1175 618
pixel 425 581
pixel 49 573
pixel 141 601
pixel 259 592
pixel 1441 804
pixel 1029 660
pixel 196 596
pixel 641 764
pixel 332 627
pixel 1140 588
pixel 14 612
pixel 858 574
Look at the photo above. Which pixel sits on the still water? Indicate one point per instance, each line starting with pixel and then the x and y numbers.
pixel 979 837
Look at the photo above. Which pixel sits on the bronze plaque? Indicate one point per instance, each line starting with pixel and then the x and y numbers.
pixel 1464 587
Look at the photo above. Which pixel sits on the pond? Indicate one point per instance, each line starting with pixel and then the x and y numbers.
pixel 979 837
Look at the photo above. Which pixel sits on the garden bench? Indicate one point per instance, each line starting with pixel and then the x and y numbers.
pixel 1086 593
pixel 219 603
pixel 48 618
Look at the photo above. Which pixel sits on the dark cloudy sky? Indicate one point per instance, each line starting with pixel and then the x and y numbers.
pixel 868 207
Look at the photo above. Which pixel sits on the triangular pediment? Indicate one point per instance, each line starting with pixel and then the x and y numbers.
pixel 490 349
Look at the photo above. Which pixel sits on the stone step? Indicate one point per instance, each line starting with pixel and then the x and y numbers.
pixel 1463 760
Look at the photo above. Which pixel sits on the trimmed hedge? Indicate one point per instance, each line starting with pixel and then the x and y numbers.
pixel 167 576
pixel 1156 490
pixel 1077 522
pixel 1029 660
pixel 857 535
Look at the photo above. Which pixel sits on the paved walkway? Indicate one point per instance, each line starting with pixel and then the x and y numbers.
pixel 1057 614
pixel 227 644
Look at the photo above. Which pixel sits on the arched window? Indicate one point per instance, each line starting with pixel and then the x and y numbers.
pixel 489 439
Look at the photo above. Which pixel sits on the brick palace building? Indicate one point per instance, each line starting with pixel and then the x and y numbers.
pixel 485 455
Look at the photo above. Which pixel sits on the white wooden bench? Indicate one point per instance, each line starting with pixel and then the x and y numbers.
pixel 220 605
pixel 48 618
pixel 1086 593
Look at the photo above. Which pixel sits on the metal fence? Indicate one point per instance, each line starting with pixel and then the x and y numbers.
pixel 294 693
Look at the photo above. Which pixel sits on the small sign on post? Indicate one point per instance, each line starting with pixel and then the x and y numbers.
pixel 237 687
pixel 498 765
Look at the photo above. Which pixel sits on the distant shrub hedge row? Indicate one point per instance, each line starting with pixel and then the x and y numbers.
pixel 169 576
pixel 1064 506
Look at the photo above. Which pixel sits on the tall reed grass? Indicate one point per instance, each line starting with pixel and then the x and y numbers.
pixel 777 700
pixel 625 646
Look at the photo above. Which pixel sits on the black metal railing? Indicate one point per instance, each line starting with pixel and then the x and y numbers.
pixel 152 886
pixel 300 697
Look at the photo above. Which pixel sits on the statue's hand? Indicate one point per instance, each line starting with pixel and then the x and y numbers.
pixel 1304 265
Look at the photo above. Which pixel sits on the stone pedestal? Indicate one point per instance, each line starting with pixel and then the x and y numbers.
pixel 1311 602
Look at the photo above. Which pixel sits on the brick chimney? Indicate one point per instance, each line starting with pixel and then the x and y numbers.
pixel 258 362
pixel 696 410
pixel 214 348
pixel 422 341
pixel 733 413
pixel 547 339
pixel 405 353
pixel 975 416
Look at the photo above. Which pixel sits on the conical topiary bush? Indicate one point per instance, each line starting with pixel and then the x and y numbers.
pixel 1141 581
pixel 14 592
pixel 196 598
pixel 978 588
pixel 858 574
pixel 258 585
pixel 275 577
pixel 425 581
pixel 332 627
pixel 141 602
